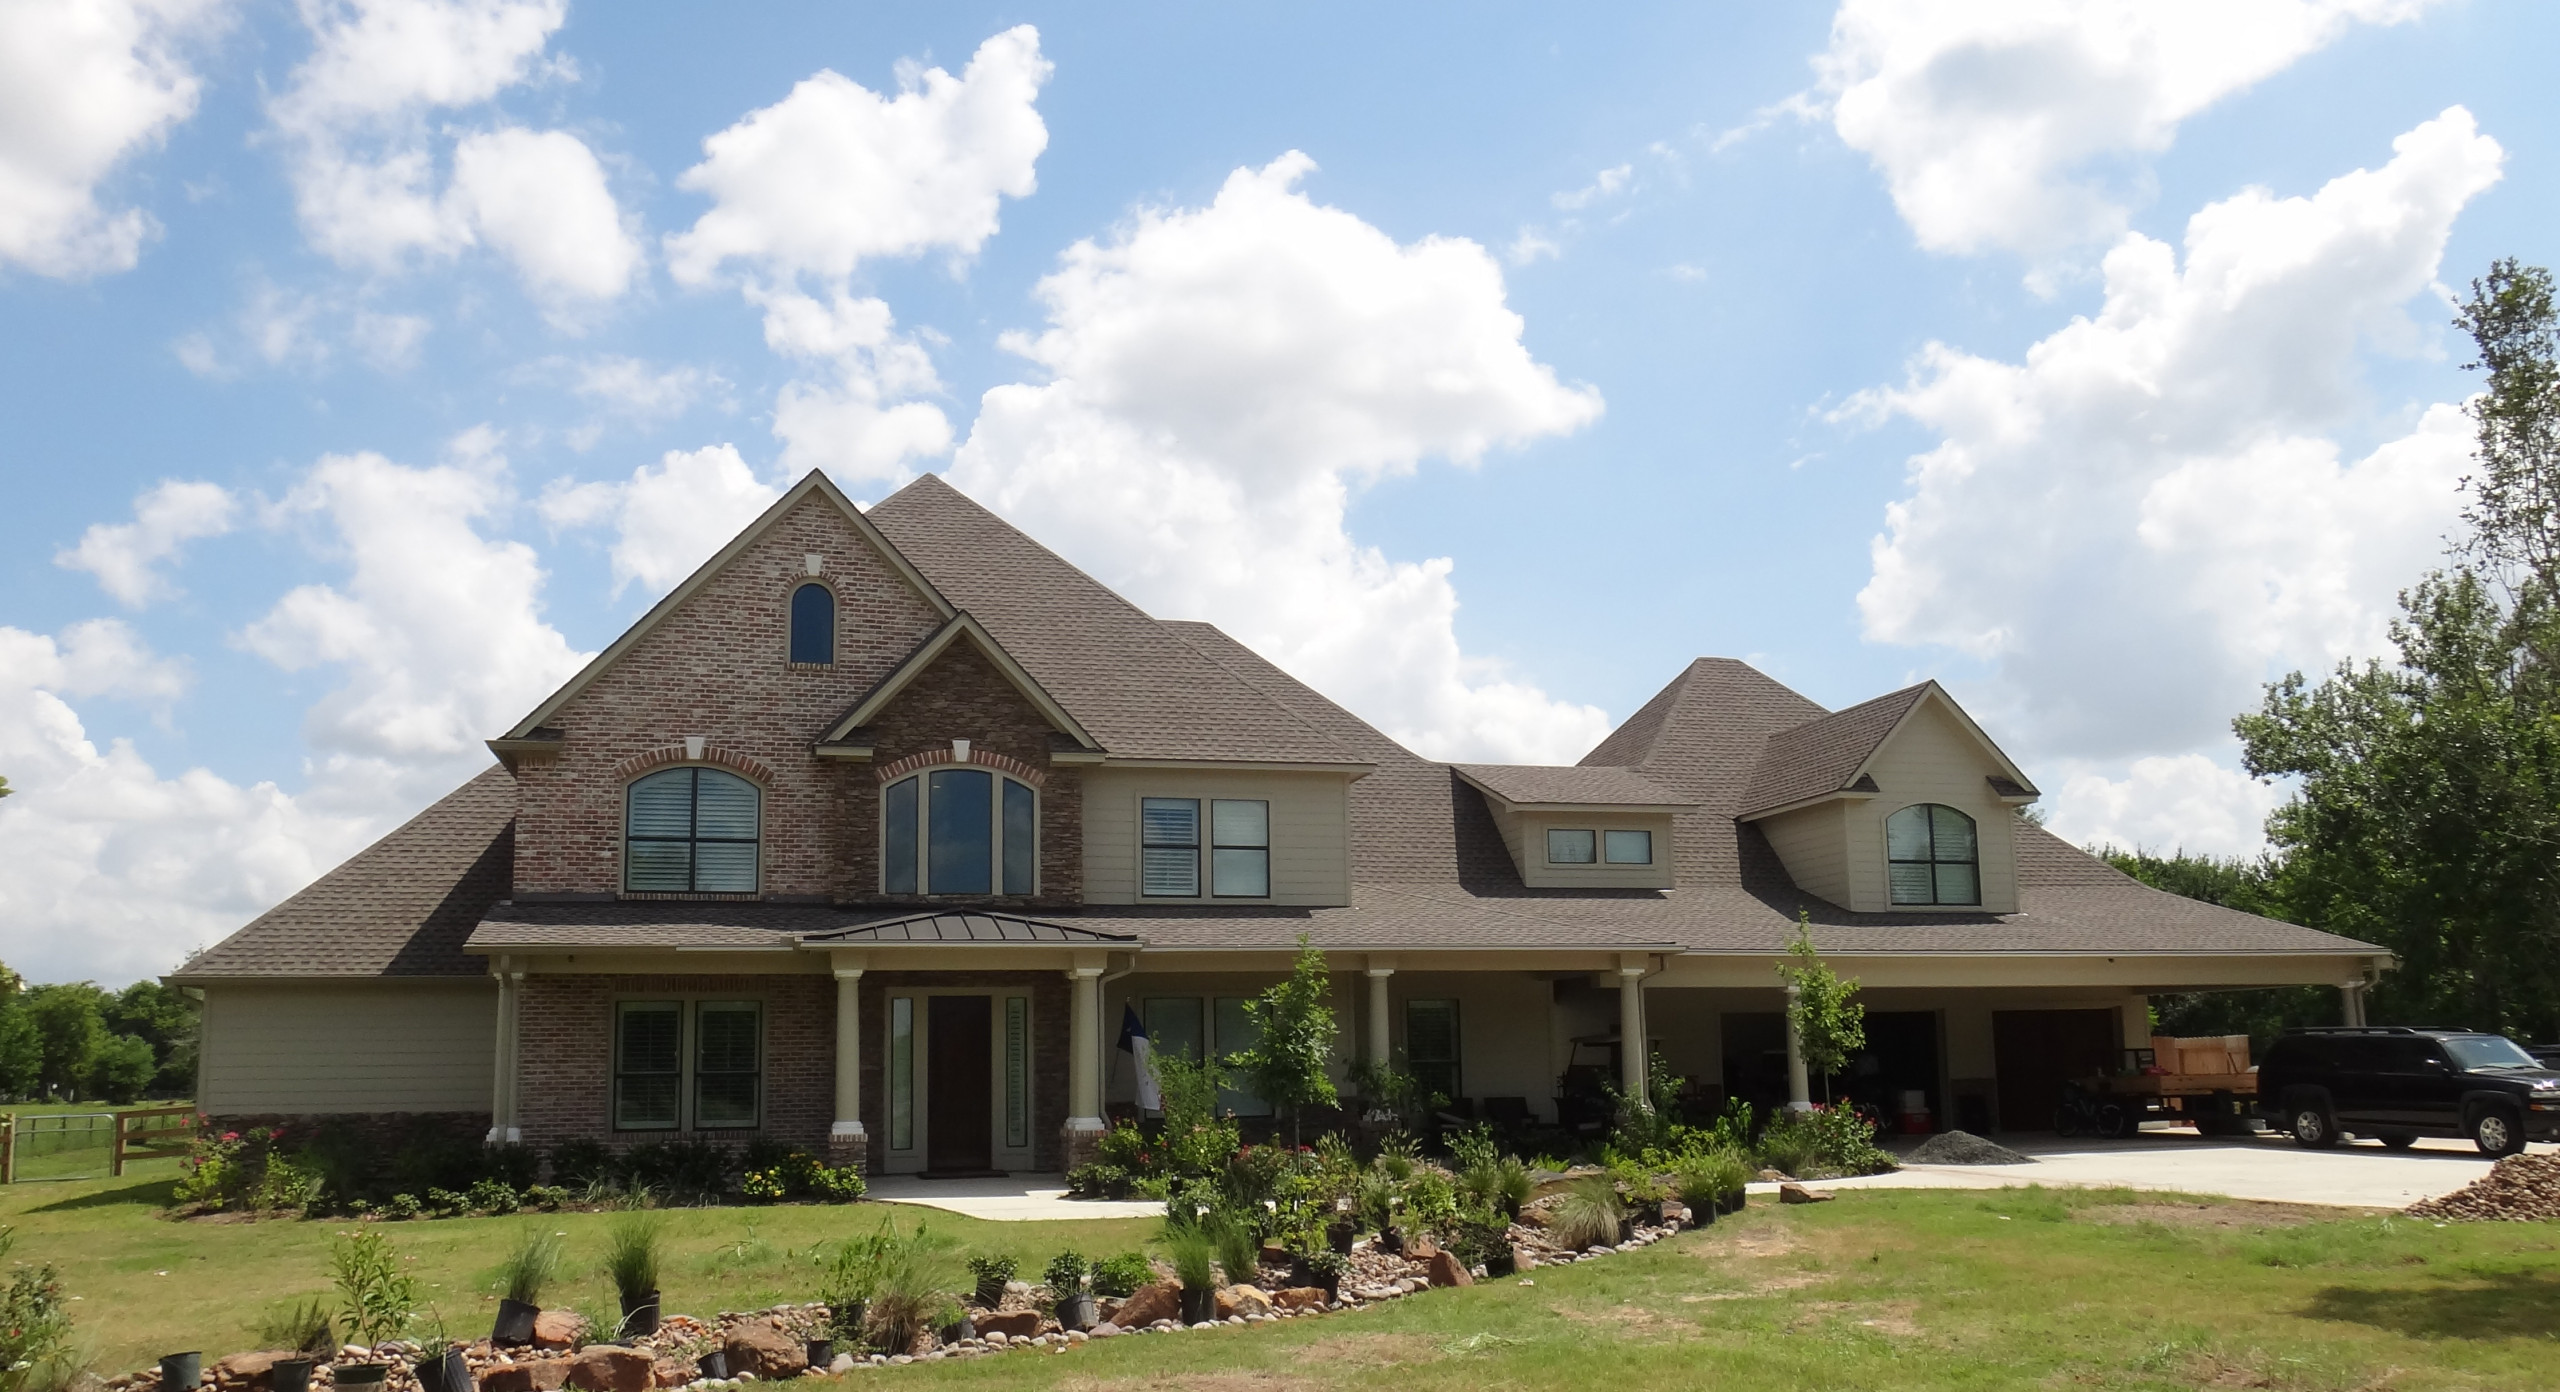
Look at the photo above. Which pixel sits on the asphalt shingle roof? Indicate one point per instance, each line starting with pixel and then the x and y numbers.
pixel 1821 756
pixel 1569 783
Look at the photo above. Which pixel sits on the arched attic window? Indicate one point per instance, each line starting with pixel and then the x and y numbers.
pixel 691 831
pixel 1931 856
pixel 956 831
pixel 813 625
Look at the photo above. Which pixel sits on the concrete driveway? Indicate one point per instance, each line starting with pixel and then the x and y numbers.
pixel 2360 1174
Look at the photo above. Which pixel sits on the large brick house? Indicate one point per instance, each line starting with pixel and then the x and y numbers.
pixel 869 834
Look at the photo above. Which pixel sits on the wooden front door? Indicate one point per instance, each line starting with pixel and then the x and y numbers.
pixel 959 1090
pixel 2036 1051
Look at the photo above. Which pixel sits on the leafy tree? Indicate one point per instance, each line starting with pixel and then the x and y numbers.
pixel 69 1033
pixel 1830 1025
pixel 124 1068
pixel 2251 886
pixel 164 1018
pixel 1289 1066
pixel 21 1052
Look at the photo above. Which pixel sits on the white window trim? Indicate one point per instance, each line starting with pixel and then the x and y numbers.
pixel 924 833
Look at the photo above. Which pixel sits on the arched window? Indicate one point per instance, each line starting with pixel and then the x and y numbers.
pixel 691 831
pixel 1931 856
pixel 813 625
pixel 958 831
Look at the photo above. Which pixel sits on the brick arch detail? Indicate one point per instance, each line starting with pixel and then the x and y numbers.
pixel 939 756
pixel 718 756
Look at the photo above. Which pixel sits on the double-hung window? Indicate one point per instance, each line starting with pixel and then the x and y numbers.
pixel 1169 847
pixel 1239 848
pixel 697 1064
pixel 959 831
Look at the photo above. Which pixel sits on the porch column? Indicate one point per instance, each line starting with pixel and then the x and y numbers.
pixel 847 1144
pixel 1634 1049
pixel 2351 1002
pixel 1085 1123
pixel 2137 1023
pixel 1381 1035
pixel 502 1088
pixel 1799 1087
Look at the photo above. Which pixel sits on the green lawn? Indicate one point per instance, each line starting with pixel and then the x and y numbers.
pixel 1874 1291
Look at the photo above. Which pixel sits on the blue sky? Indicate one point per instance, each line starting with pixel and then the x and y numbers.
pixel 368 362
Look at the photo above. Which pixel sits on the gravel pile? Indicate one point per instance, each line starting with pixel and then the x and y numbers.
pixel 1963 1148
pixel 2518 1189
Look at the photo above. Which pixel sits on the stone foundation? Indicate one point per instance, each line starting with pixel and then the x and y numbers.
pixel 853 1151
pixel 1079 1147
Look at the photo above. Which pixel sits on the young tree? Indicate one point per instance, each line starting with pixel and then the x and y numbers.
pixel 1289 1066
pixel 1829 1024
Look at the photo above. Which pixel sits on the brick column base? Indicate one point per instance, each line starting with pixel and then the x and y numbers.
pixel 1079 1147
pixel 852 1151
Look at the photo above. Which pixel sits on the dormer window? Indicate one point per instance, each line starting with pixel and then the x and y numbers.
pixel 1627 847
pixel 1933 856
pixel 959 831
pixel 1567 846
pixel 813 626
pixel 691 831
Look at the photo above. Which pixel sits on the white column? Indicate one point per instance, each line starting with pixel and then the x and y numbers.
pixel 502 1087
pixel 2351 1002
pixel 1084 1061
pixel 1799 1087
pixel 2137 1023
pixel 1381 1036
pixel 848 1053
pixel 1634 1049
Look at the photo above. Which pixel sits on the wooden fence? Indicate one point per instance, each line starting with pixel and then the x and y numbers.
pixel 140 1133
pixel 143 1134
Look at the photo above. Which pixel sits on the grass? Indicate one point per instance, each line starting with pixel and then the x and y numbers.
pixel 1882 1290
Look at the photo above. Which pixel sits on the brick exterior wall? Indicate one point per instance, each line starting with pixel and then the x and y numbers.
pixel 1050 1023
pixel 717 667
pixel 564 1085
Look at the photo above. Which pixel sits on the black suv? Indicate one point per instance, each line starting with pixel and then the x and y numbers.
pixel 2398 1082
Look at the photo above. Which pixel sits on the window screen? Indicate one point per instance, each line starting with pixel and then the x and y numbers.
pixel 1628 847
pixel 1566 847
pixel 1169 847
pixel 728 1065
pixel 691 830
pixel 961 808
pixel 1931 857
pixel 648 1065
pixel 1431 1045
pixel 813 625
pixel 1240 848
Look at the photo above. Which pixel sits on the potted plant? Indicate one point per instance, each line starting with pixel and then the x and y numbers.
pixel 822 1352
pixel 1066 1277
pixel 1323 1269
pixel 440 1368
pixel 712 1365
pixel 379 1296
pixel 993 1274
pixel 631 1260
pixel 530 1267
pixel 360 1377
pixel 307 1330
pixel 1589 1214
pixel 180 1372
pixel 958 1331
pixel 1194 1253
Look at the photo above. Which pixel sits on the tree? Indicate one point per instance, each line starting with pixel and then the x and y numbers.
pixel 124 1068
pixel 166 1019
pixel 1830 1025
pixel 2251 886
pixel 1290 1065
pixel 69 1032
pixel 21 1053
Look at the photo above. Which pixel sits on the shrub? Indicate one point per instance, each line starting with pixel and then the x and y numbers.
pixel 401 1206
pixel 286 1184
pixel 1479 1236
pixel 35 1326
pixel 1472 1147
pixel 1252 1177
pixel 1430 1201
pixel 1588 1215
pixel 1194 1254
pixel 631 1255
pixel 693 1170
pixel 1098 1181
pixel 852 1270
pixel 992 1274
pixel 1121 1276
pixel 302 1327
pixel 1378 1200
pixel 1066 1272
pixel 492 1196
pixel 764 1186
pixel 912 1287
pixel 582 1163
pixel 837 1184
pixel 1704 1177
pixel 1125 1146
pixel 377 1294
pixel 444 1203
pixel 547 1197
pixel 1822 1142
pixel 533 1265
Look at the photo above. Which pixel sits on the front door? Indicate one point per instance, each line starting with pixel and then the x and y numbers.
pixel 959 1100
pixel 2036 1051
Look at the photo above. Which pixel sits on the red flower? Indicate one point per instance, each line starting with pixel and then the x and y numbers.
pixel 230 1135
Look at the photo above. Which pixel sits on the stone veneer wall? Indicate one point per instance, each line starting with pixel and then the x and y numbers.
pixel 564 1084
pixel 1050 1024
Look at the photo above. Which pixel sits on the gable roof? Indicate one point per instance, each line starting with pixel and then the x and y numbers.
pixel 1137 687
pixel 1569 785
pixel 402 906
pixel 1832 754
pixel 960 628
pixel 816 483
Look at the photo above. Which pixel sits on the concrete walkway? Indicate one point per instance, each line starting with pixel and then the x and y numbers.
pixel 2359 1175
pixel 1020 1198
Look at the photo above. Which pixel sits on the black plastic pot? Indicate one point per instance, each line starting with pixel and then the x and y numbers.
pixel 351 1376
pixel 990 1292
pixel 446 1372
pixel 1199 1306
pixel 1077 1312
pixel 1390 1242
pixel 821 1353
pixel 181 1370
pixel 714 1364
pixel 1733 1200
pixel 514 1328
pixel 289 1375
pixel 959 1331
pixel 1340 1234
pixel 1502 1261
pixel 639 1315
pixel 1301 1274
pixel 1702 1214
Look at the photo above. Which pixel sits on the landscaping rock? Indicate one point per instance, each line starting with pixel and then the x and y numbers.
pixel 532 1375
pixel 1011 1324
pixel 1301 1298
pixel 1104 1330
pixel 765 1351
pixel 842 1365
pixel 1964 1148
pixel 558 1329
pixel 612 1368
pixel 1157 1300
pixel 1797 1193
pixel 2520 1188
pixel 1444 1269
pixel 244 1370
pixel 1244 1300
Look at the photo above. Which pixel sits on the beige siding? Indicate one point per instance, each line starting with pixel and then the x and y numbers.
pixel 1933 758
pixel 1813 843
pixel 349 1047
pixel 1310 830
pixel 1527 834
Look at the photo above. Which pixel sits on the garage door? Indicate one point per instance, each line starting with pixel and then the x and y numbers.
pixel 2035 1051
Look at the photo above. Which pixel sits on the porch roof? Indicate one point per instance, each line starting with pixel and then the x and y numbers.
pixel 947 927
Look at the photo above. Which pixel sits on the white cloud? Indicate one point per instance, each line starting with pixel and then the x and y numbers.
pixel 2166 804
pixel 437 627
pixel 834 173
pixel 1605 184
pixel 638 389
pixel 365 156
pixel 1218 380
pixel 540 198
pixel 125 556
pixel 2018 124
pixel 2150 513
pixel 669 517
pixel 83 85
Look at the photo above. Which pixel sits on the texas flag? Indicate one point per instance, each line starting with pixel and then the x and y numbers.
pixel 1133 1042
